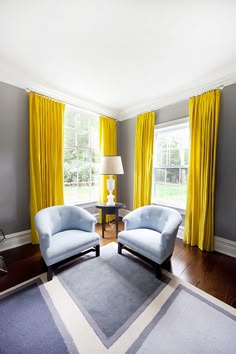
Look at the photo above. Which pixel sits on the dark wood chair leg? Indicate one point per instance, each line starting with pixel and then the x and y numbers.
pixel 49 273
pixel 157 270
pixel 120 248
pixel 97 248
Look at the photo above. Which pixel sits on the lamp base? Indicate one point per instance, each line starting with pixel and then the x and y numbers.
pixel 110 199
pixel 110 187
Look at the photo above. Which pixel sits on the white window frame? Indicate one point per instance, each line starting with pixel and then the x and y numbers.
pixel 168 126
pixel 88 203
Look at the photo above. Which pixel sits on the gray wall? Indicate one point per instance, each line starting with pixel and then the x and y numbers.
pixel 225 196
pixel 14 159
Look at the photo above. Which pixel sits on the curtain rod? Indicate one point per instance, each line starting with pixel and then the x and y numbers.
pixel 221 87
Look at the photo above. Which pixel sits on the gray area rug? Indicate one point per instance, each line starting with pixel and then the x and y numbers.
pixel 29 323
pixel 188 323
pixel 111 290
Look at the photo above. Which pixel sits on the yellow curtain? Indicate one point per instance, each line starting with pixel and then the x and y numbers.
pixel 204 120
pixel 108 146
pixel 46 140
pixel 143 159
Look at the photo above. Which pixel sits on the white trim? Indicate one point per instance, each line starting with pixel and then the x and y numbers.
pixel 183 95
pixel 225 246
pixel 221 245
pixel 123 212
pixel 16 239
pixel 132 111
pixel 180 233
pixel 81 102
pixel 182 211
pixel 179 122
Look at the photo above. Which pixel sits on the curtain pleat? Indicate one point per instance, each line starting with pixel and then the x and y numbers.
pixel 108 146
pixel 204 120
pixel 46 143
pixel 143 159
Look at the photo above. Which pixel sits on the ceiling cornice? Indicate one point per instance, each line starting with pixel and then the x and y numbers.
pixel 81 102
pixel 175 97
pixel 133 111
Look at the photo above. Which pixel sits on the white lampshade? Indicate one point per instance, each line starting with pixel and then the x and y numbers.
pixel 111 165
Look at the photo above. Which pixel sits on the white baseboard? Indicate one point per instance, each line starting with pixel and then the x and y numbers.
pixel 180 233
pixel 225 246
pixel 123 212
pixel 16 239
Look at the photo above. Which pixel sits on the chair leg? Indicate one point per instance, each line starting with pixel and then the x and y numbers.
pixel 97 248
pixel 120 248
pixel 49 273
pixel 157 270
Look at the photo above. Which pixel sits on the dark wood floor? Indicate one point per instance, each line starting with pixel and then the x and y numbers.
pixel 211 272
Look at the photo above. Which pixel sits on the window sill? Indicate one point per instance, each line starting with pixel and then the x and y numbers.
pixel 82 204
pixel 182 211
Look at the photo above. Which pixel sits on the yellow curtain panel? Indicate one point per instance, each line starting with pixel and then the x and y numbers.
pixel 204 119
pixel 108 146
pixel 46 141
pixel 143 159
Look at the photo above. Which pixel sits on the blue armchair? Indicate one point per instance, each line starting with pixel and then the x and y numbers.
pixel 150 232
pixel 65 231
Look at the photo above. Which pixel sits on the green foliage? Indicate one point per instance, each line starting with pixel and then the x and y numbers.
pixel 81 152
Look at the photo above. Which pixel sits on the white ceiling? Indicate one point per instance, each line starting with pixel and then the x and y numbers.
pixel 118 57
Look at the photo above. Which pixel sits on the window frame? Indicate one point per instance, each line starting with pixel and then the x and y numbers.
pixel 168 126
pixel 76 146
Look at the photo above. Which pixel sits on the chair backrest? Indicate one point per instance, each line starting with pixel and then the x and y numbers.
pixel 156 217
pixel 62 217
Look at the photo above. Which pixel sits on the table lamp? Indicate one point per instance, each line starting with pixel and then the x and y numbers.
pixel 111 165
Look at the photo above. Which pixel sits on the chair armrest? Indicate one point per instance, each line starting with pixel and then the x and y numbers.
pixel 170 230
pixel 132 220
pixel 44 230
pixel 86 221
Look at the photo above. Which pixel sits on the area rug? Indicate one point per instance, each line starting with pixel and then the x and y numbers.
pixel 114 304
pixel 111 291
pixel 29 323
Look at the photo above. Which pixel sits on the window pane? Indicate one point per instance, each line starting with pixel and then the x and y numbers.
pixel 161 158
pixel 174 157
pixel 170 165
pixel 83 139
pixel 81 156
pixel 186 156
pixel 184 175
pixel 70 136
pixel 172 175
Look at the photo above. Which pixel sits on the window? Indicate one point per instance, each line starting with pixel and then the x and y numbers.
pixel 81 156
pixel 170 164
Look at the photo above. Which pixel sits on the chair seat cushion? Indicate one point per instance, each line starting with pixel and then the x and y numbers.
pixel 68 243
pixel 144 241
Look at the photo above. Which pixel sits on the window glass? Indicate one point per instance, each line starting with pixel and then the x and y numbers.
pixel 81 156
pixel 170 164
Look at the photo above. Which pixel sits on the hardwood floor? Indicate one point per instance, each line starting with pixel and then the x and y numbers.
pixel 211 272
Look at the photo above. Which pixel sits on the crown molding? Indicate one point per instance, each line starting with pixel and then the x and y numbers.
pixel 197 88
pixel 81 102
pixel 176 97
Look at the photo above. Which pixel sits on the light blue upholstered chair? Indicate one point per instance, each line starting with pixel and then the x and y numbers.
pixel 65 231
pixel 150 232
